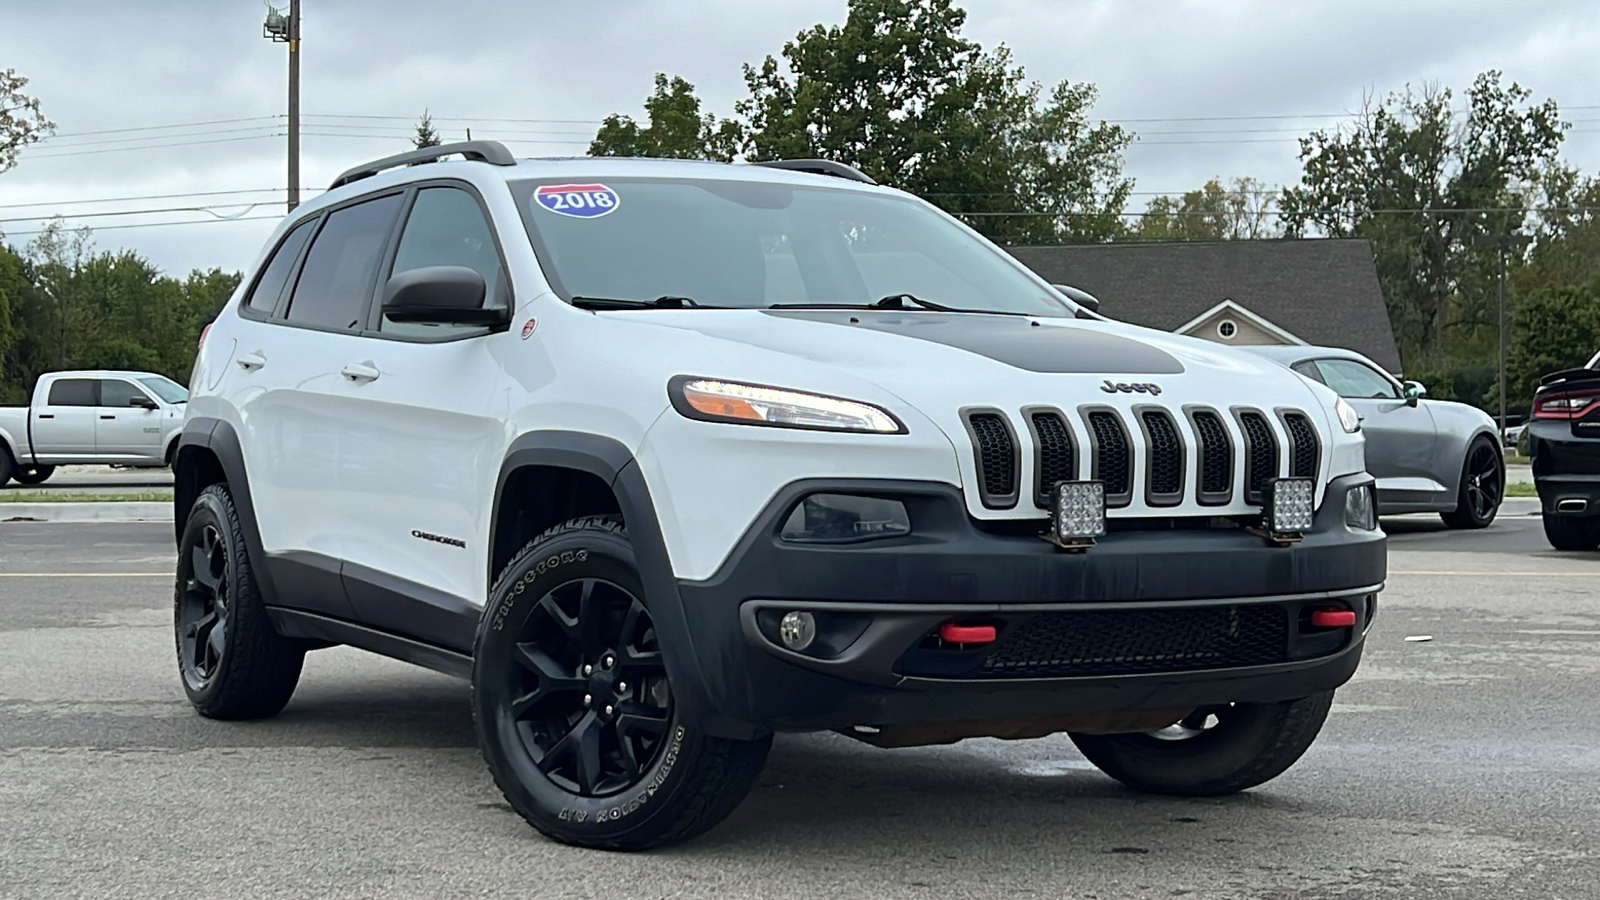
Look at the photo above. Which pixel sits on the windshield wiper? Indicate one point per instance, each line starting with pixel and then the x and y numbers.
pixel 664 302
pixel 900 302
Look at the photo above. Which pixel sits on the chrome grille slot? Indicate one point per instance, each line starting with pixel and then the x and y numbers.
pixel 1055 454
pixel 995 445
pixel 1304 446
pixel 1164 458
pixel 1261 455
pixel 1113 456
pixel 1216 457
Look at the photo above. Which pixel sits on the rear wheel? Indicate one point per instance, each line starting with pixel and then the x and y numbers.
pixel 1214 750
pixel 1572 532
pixel 34 474
pixel 1483 483
pixel 576 715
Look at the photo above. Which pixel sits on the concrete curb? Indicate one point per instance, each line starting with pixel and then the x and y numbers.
pixel 86 512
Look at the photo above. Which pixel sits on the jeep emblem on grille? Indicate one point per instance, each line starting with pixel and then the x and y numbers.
pixel 1142 387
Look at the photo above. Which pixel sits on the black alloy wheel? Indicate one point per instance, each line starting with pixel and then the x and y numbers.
pixel 203 608
pixel 1483 483
pixel 590 696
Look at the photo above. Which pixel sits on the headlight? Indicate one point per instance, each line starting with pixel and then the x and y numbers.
pixel 753 404
pixel 1361 508
pixel 844 518
pixel 1349 419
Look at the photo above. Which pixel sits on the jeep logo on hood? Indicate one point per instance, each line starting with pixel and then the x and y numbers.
pixel 1139 387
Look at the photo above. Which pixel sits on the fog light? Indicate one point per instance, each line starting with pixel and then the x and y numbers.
pixel 1078 514
pixel 1361 508
pixel 1291 507
pixel 797 630
pixel 843 518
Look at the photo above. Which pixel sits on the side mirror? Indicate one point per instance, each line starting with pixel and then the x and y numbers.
pixel 139 401
pixel 1413 392
pixel 1081 297
pixel 440 295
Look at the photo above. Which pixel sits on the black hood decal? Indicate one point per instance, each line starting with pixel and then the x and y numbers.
pixel 1013 340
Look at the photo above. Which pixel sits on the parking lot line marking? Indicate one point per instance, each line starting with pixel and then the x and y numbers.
pixel 1595 574
pixel 85 574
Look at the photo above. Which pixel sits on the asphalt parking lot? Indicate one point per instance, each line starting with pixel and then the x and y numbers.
pixel 1465 766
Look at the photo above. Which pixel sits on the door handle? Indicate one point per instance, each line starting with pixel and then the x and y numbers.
pixel 47 415
pixel 108 417
pixel 360 373
pixel 251 361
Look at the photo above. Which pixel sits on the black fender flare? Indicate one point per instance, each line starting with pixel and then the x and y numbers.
pixel 220 438
pixel 612 462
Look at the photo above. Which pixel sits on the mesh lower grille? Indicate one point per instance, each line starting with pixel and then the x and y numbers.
pixel 1113 462
pixel 1303 455
pixel 1216 453
pixel 1261 463
pixel 1056 461
pixel 997 463
pixel 1065 644
pixel 1166 454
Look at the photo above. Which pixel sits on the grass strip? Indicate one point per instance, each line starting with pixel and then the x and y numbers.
pixel 15 496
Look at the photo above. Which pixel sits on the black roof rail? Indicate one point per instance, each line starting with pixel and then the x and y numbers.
pixel 492 152
pixel 820 167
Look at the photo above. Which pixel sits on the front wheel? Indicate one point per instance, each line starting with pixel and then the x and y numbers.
pixel 1483 484
pixel 1214 750
pixel 577 717
pixel 1572 532
pixel 34 475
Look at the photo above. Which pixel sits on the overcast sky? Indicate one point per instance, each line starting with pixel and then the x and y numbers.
pixel 540 74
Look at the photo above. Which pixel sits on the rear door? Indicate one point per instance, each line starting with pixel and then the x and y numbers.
pixel 64 424
pixel 1401 438
pixel 127 423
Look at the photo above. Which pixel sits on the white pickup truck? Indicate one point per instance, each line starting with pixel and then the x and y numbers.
pixel 91 418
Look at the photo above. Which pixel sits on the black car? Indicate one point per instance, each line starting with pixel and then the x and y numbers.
pixel 1564 442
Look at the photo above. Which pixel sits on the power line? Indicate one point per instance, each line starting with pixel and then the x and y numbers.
pixel 152 146
pixel 163 137
pixel 142 212
pixel 144 197
pixel 159 127
pixel 156 224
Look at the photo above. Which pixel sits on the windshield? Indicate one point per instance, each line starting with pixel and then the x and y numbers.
pixel 167 389
pixel 750 244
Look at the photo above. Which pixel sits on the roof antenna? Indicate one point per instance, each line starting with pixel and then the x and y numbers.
pixel 469 134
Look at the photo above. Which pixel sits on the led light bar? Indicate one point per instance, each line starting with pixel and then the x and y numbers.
pixel 1291 508
pixel 1077 514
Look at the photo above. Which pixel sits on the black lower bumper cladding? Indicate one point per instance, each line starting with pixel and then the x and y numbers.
pixel 1145 619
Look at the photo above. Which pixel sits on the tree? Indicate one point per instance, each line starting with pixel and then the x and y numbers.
pixel 425 136
pixel 1241 211
pixel 21 122
pixel 1420 180
pixel 1558 328
pixel 898 92
pixel 676 128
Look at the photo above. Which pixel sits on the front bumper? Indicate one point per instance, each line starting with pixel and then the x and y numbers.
pixel 883 600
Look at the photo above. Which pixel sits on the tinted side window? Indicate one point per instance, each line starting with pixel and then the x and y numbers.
pixel 72 392
pixel 1355 380
pixel 1309 370
pixel 118 393
pixel 446 228
pixel 264 296
pixel 336 280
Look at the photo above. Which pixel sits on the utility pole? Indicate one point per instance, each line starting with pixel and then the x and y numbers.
pixel 1503 243
pixel 286 30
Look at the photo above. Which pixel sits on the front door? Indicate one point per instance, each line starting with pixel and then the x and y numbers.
pixel 127 423
pixel 1401 436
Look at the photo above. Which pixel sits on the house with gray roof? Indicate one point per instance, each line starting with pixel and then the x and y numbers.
pixel 1321 292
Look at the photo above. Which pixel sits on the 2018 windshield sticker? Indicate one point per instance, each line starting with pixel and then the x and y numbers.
pixel 581 201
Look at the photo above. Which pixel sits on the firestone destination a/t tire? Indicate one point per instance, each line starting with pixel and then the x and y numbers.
pixel 576 717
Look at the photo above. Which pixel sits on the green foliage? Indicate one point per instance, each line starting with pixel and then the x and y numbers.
pixel 426 136
pixel 897 92
pixel 676 128
pixel 64 305
pixel 1421 180
pixel 1241 211
pixel 1558 328
pixel 21 122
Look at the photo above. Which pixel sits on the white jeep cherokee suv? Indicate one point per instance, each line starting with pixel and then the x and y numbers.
pixel 669 456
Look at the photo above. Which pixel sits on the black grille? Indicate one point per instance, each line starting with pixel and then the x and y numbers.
pixel 1065 644
pixel 1056 462
pixel 1303 455
pixel 1112 459
pixel 997 458
pixel 1216 454
pixel 1261 463
pixel 1166 454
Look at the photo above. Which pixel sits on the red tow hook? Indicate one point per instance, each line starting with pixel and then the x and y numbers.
pixel 951 633
pixel 1333 618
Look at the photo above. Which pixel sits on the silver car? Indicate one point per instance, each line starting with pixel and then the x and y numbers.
pixel 1427 455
